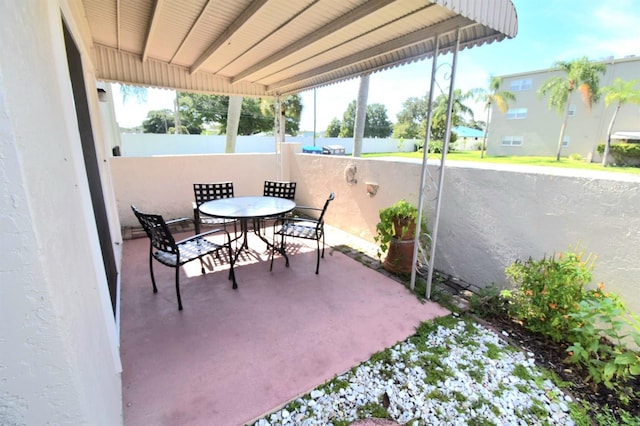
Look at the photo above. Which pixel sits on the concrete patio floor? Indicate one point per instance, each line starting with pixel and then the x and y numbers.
pixel 232 356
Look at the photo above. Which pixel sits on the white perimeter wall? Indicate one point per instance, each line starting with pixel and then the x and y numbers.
pixel 489 216
pixel 149 144
pixel 59 361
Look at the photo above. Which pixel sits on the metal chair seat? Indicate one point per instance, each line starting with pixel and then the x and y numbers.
pixel 190 249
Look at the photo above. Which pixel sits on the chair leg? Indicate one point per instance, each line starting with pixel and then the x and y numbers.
pixel 283 246
pixel 318 255
pixel 178 287
pixel 153 279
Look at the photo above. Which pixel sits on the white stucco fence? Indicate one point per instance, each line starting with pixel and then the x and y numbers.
pixel 491 215
pixel 150 144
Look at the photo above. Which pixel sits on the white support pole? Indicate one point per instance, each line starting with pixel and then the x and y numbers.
pixel 361 115
pixel 278 133
pixel 445 148
pixel 233 120
pixel 425 155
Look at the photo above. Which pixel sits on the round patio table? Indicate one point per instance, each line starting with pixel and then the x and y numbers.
pixel 245 208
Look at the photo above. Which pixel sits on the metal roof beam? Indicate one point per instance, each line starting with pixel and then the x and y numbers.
pixel 152 26
pixel 360 12
pixel 254 6
pixel 379 50
pixel 192 30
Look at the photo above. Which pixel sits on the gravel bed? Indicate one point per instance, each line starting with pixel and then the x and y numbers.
pixel 472 377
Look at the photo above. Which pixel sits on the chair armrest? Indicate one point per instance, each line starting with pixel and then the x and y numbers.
pixel 204 234
pixel 307 208
pixel 283 220
pixel 178 220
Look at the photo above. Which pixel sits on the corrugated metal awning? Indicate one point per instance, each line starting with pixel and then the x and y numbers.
pixel 632 136
pixel 272 47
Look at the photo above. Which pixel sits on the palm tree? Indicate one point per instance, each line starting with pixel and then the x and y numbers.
pixel 580 74
pixel 459 110
pixel 137 92
pixel 492 96
pixel 621 92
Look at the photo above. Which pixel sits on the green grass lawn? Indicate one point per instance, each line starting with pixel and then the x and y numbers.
pixel 529 161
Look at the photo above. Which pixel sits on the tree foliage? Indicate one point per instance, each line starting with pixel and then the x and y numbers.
pixel 581 75
pixel 619 92
pixel 412 120
pixel 492 96
pixel 139 93
pixel 377 124
pixel 158 121
pixel 291 108
pixel 256 115
pixel 333 130
pixel 459 111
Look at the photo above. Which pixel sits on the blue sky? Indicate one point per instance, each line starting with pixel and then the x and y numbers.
pixel 548 31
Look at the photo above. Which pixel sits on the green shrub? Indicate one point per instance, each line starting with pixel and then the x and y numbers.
pixel 576 157
pixel 549 298
pixel 547 291
pixel 435 147
pixel 623 153
pixel 599 340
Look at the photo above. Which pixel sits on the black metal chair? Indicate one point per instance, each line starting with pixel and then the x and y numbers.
pixel 169 252
pixel 280 189
pixel 204 192
pixel 299 227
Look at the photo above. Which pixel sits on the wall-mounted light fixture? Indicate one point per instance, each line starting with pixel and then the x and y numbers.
pixel 102 95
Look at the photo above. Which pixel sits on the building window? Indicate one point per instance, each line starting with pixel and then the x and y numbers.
pixel 512 141
pixel 516 113
pixel 520 85
pixel 565 141
pixel 572 110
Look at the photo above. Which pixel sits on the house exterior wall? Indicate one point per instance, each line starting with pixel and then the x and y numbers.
pixel 59 361
pixel 540 130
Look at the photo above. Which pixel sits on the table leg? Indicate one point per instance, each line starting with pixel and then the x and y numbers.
pixel 279 247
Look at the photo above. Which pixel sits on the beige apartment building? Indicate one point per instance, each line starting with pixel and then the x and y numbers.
pixel 530 127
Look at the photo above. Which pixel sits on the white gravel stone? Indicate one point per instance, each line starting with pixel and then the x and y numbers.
pixel 459 399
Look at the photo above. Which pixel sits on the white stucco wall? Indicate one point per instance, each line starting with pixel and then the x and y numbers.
pixel 164 185
pixel 58 340
pixel 491 215
pixel 149 144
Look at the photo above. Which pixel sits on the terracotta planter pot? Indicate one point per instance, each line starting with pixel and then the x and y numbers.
pixel 399 257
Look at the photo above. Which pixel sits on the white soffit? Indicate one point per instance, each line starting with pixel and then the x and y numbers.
pixel 278 47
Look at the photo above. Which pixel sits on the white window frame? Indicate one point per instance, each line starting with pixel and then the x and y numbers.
pixel 517 113
pixel 512 141
pixel 521 85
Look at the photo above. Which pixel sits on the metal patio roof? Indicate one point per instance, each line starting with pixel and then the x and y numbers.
pixel 278 47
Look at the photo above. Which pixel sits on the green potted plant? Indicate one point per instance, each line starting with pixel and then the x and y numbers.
pixel 395 234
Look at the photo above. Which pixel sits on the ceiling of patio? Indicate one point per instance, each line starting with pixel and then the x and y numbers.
pixel 278 47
